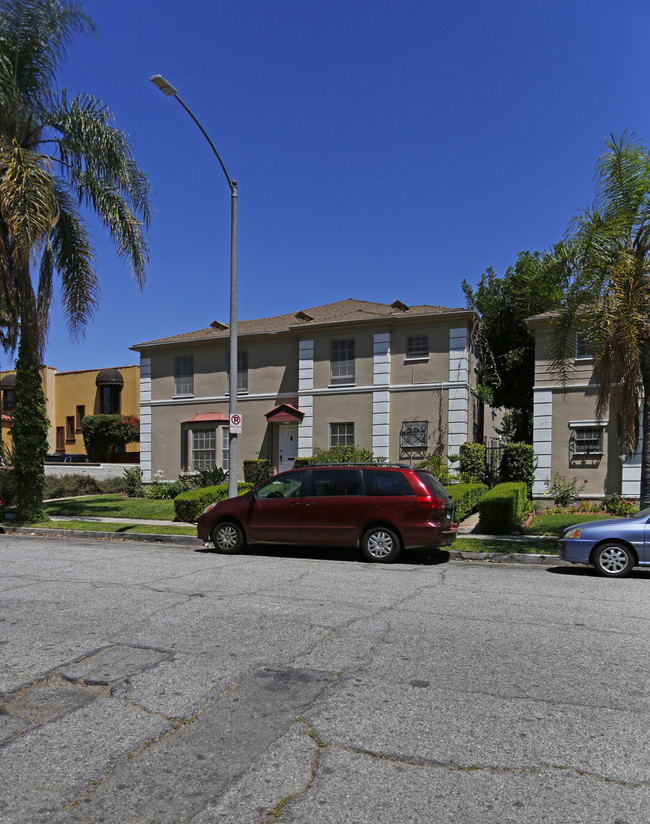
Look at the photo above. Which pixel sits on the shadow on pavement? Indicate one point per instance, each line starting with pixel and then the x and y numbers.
pixel 580 571
pixel 411 557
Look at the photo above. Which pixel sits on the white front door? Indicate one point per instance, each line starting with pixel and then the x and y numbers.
pixel 288 446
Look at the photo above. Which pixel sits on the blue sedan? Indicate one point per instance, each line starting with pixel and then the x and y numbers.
pixel 613 546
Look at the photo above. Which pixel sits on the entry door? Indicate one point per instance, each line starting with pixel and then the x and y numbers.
pixel 288 447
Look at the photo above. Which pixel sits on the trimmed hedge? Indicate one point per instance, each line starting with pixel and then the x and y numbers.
pixel 189 505
pixel 502 508
pixel 466 498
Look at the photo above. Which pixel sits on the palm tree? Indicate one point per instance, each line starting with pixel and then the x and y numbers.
pixel 609 299
pixel 58 156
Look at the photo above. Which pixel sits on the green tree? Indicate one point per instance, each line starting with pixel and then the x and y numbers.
pixel 58 156
pixel 506 350
pixel 609 296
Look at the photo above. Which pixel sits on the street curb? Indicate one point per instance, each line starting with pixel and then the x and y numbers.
pixel 194 543
pixel 146 537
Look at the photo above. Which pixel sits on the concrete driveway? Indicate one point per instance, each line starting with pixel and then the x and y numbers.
pixel 145 683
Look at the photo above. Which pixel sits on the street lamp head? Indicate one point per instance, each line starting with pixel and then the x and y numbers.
pixel 165 87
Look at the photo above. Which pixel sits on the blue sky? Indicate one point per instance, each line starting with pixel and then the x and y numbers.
pixel 383 150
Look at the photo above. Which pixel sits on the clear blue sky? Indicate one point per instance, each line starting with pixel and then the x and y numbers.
pixel 383 150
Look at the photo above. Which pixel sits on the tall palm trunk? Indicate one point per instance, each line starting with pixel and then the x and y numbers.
pixel 645 446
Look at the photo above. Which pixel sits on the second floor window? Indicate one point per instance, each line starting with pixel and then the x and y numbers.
pixel 342 361
pixel 184 375
pixel 109 399
pixel 583 350
pixel 242 372
pixel 417 346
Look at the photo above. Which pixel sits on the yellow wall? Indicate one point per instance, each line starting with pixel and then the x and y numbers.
pixel 65 391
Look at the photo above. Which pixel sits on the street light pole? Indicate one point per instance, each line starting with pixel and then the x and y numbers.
pixel 166 88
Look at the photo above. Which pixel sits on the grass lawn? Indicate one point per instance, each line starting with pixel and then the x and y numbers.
pixel 556 522
pixel 507 547
pixel 120 529
pixel 112 506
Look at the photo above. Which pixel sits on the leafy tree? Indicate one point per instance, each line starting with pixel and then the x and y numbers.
pixel 57 156
pixel 609 296
pixel 506 349
pixel 104 432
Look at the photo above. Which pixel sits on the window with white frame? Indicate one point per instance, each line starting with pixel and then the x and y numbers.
pixel 588 440
pixel 184 375
pixel 242 372
pixel 417 347
pixel 583 349
pixel 342 361
pixel 341 434
pixel 204 449
pixel 225 448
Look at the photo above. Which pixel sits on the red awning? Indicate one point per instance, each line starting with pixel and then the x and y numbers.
pixel 284 413
pixel 208 417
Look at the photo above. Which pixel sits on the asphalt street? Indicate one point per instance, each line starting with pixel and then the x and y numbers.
pixel 161 683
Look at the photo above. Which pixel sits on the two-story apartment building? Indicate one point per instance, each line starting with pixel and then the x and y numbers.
pixel 395 379
pixel 568 438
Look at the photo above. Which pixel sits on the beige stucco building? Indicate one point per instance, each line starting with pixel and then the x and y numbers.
pixel 568 438
pixel 395 379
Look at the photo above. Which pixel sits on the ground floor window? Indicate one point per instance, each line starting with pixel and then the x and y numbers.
pixel 341 434
pixel 588 441
pixel 204 449
pixel 225 448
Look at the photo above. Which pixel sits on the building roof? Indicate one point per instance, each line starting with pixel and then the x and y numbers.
pixel 342 311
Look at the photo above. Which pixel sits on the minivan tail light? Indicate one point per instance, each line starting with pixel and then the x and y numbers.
pixel 437 505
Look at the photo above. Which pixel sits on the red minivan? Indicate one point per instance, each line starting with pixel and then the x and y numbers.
pixel 380 508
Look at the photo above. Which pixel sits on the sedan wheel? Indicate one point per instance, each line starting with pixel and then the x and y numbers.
pixel 380 544
pixel 227 538
pixel 613 560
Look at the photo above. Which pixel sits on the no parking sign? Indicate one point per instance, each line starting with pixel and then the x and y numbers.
pixel 235 424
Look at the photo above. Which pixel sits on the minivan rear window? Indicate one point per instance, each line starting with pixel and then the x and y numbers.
pixel 386 482
pixel 433 485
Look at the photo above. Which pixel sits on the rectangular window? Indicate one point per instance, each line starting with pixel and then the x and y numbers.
pixel 414 435
pixel 329 482
pixel 184 376
pixel 341 434
pixel 109 399
pixel 242 372
pixel 342 361
pixel 225 448
pixel 69 428
pixel 204 449
pixel 583 350
pixel 60 438
pixel 417 346
pixel 79 416
pixel 588 441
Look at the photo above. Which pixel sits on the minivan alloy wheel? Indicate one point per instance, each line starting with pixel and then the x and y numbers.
pixel 381 544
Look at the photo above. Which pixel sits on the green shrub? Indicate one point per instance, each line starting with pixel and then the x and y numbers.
pixel 466 498
pixel 189 505
pixel 257 471
pixel 618 506
pixel 69 486
pixel 344 454
pixel 101 432
pixel 563 491
pixel 166 491
pixel 502 508
pixel 133 485
pixel 437 465
pixel 518 463
pixel 472 463
pixel 204 477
